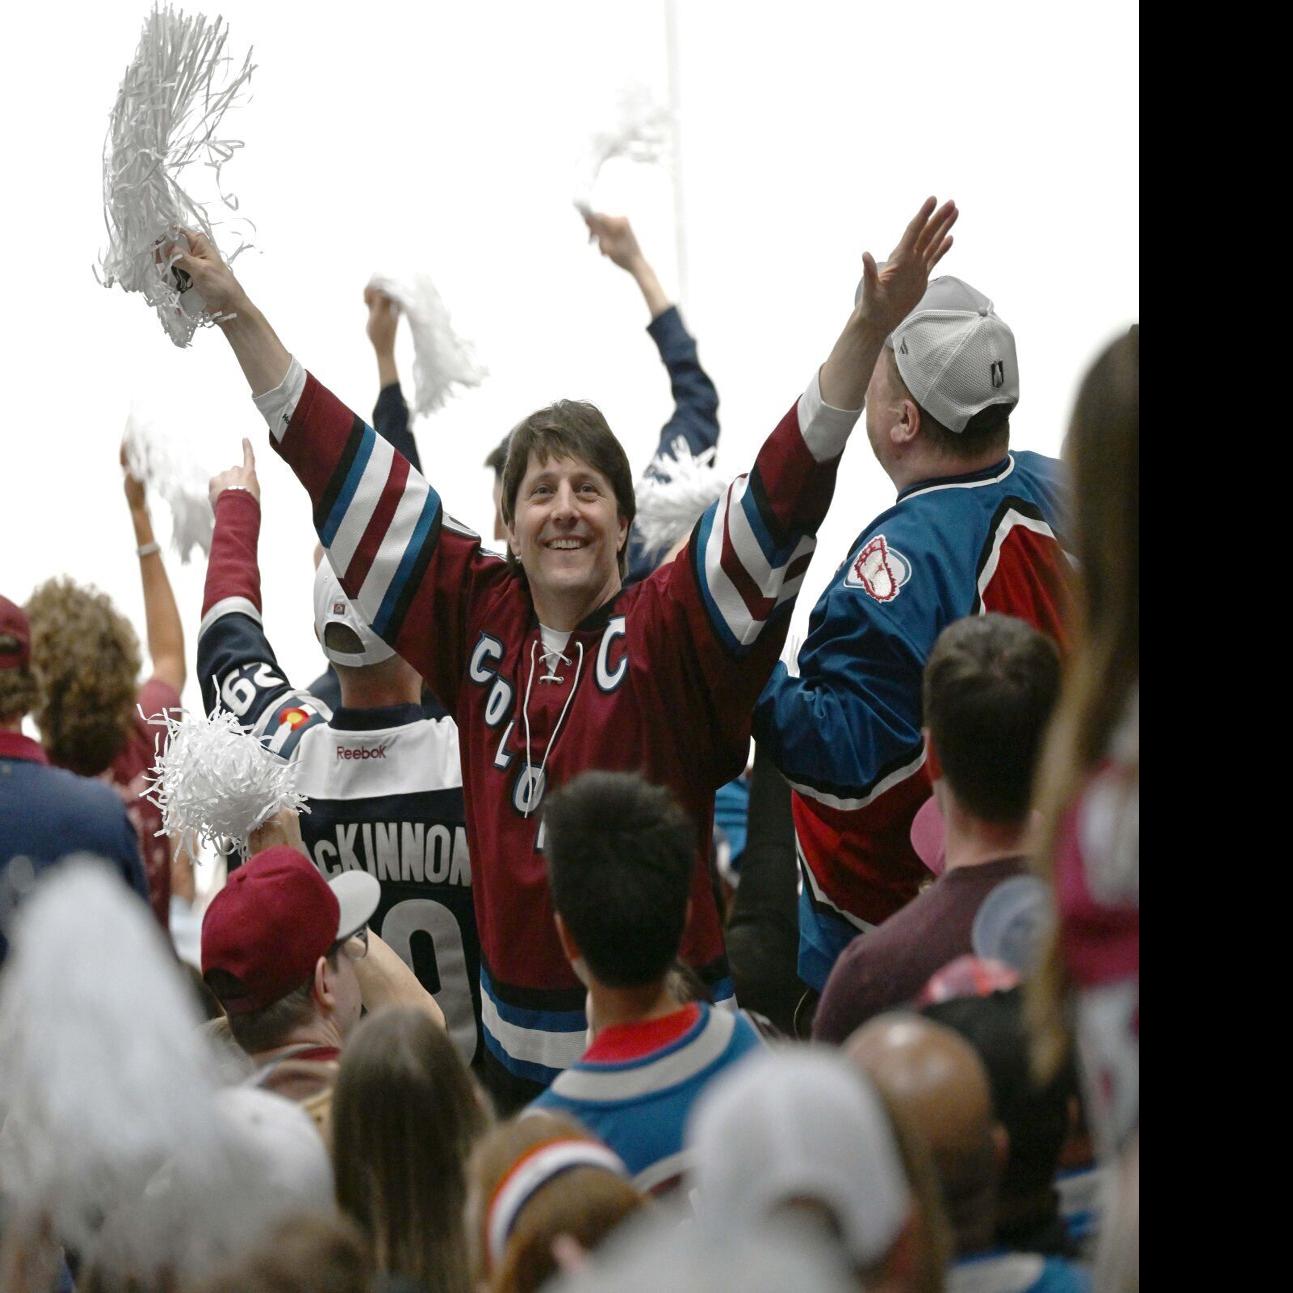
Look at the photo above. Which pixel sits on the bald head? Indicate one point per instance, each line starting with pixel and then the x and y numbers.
pixel 939 1086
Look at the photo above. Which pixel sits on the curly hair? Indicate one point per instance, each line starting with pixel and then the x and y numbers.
pixel 86 660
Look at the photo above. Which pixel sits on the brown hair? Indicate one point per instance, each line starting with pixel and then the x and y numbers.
pixel 568 429
pixel 989 689
pixel 405 1114
pixel 586 1203
pixel 1103 669
pixel 263 1030
pixel 85 657
pixel 308 1253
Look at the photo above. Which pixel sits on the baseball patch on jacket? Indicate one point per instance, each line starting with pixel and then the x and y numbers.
pixel 879 570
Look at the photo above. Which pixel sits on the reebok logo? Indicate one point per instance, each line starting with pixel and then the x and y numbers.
pixel 360 752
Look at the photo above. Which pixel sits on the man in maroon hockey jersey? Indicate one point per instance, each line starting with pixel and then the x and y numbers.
pixel 547 663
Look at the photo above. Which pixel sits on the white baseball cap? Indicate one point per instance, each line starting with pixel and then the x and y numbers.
pixel 955 355
pixel 799 1124
pixel 332 606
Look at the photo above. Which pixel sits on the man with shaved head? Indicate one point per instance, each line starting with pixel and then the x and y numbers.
pixel 938 1084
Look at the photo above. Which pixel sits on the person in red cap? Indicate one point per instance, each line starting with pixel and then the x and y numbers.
pixel 290 958
pixel 47 813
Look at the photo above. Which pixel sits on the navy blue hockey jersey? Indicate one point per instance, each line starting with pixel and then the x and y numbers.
pixel 384 786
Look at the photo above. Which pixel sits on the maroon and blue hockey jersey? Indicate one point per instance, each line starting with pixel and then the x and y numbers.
pixel 661 680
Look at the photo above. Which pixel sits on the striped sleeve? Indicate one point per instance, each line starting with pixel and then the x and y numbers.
pixel 751 548
pixel 410 569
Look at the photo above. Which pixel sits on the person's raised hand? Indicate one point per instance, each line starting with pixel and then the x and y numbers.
pixel 136 496
pixel 243 477
pixel 615 239
pixel 201 260
pixel 383 319
pixel 283 828
pixel 890 292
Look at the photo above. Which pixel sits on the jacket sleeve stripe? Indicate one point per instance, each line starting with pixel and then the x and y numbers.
pixel 374 466
pixel 229 606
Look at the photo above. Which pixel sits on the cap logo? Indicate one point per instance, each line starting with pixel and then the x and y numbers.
pixel 338 608
pixel 998 372
pixel 879 570
pixel 902 348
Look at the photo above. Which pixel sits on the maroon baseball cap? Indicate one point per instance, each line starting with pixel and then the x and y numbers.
pixel 272 921
pixel 14 624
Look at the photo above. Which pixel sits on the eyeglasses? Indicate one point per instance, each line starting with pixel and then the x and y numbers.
pixel 354 945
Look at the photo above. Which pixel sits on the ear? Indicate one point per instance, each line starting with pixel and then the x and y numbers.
pixel 509 528
pixel 932 761
pixel 568 944
pixel 624 534
pixel 906 426
pixel 324 991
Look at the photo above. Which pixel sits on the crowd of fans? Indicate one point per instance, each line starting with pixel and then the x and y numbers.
pixel 548 986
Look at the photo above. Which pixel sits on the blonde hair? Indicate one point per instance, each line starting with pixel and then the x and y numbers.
pixel 1103 670
pixel 85 658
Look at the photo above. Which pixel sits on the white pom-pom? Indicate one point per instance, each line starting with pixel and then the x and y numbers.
pixel 215 782
pixel 672 495
pixel 640 134
pixel 442 360
pixel 166 120
pixel 114 1127
pixel 167 470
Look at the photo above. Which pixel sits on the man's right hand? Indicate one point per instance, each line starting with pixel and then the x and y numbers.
pixel 214 280
pixel 243 477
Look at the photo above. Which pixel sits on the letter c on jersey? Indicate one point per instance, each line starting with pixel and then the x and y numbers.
pixel 607 680
pixel 486 649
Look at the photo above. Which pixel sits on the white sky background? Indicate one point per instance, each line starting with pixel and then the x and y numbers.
pixel 445 139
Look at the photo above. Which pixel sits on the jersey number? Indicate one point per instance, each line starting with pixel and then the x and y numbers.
pixel 421 915
pixel 239 692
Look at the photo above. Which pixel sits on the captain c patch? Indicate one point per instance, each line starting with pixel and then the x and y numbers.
pixel 879 570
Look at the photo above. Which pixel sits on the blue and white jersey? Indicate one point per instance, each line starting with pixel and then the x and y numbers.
pixel 639 1106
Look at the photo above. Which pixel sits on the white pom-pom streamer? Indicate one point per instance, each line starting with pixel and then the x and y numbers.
pixel 215 782
pixel 168 471
pixel 165 120
pixel 671 496
pixel 442 360
pixel 115 1128
pixel 642 133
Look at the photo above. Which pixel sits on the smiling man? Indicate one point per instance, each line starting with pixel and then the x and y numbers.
pixel 548 664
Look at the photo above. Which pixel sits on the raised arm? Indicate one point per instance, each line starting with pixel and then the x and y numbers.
pixel 236 663
pixel 695 401
pixel 161 615
pixel 410 569
pixel 391 412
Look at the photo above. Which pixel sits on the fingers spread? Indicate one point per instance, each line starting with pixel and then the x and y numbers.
pixel 918 222
pixel 936 228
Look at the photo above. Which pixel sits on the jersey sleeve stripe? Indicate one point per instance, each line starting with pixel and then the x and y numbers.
pixel 364 502
pixel 882 785
pixel 387 494
pixel 343 482
pixel 419 545
pixel 229 606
